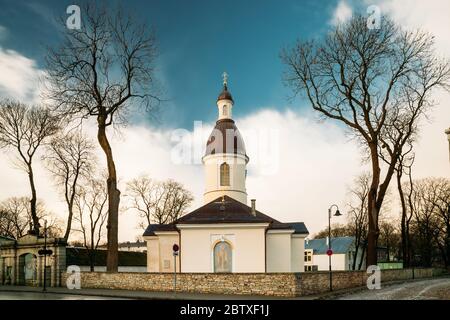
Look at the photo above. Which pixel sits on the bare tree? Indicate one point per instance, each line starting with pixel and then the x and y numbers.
pixel 158 202
pixel 25 129
pixel 70 159
pixel 389 238
pixel 357 216
pixel 426 226
pixel 16 219
pixel 405 190
pixel 337 230
pixel 101 71
pixel 91 215
pixel 443 213
pixel 378 83
pixel 432 218
pixel 7 227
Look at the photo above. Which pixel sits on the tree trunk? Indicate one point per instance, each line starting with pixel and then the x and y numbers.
pixel 92 260
pixel 70 203
pixel 92 251
pixel 409 249
pixel 447 246
pixel 69 224
pixel 361 259
pixel 355 256
pixel 408 244
pixel 372 235
pixel 113 199
pixel 33 200
pixel 403 222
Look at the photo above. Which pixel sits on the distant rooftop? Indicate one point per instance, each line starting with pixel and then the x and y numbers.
pixel 137 244
pixel 338 245
pixel 128 244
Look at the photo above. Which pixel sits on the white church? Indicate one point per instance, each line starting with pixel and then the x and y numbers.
pixel 225 234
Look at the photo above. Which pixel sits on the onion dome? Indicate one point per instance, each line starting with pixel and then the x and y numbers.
pixel 225 94
pixel 225 138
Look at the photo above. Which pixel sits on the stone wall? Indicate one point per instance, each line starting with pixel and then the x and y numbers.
pixel 269 284
pixel 274 284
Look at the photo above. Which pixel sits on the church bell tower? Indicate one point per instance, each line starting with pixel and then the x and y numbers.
pixel 225 160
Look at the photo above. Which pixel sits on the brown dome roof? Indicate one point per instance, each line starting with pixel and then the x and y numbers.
pixel 225 94
pixel 224 131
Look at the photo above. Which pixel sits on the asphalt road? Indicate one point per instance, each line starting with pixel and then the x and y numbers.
pixel 48 296
pixel 430 289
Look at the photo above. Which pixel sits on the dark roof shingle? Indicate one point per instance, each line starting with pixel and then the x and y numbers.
pixel 226 210
pixel 150 231
pixel 225 138
pixel 338 244
pixel 299 227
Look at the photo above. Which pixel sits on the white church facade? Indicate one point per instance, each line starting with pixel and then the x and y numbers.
pixel 225 234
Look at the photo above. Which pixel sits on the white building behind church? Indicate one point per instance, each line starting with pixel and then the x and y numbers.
pixel 225 234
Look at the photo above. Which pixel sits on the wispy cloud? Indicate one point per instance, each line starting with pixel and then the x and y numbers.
pixel 342 13
pixel 19 76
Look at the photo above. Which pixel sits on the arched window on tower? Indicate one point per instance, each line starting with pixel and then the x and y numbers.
pixel 225 110
pixel 224 174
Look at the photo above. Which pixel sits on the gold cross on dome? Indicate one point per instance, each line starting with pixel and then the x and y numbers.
pixel 225 78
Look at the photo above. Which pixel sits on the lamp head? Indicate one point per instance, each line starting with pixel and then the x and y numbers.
pixel 338 213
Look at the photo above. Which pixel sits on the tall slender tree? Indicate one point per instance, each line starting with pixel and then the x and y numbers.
pixel 25 129
pixel 357 217
pixel 70 159
pixel 15 218
pixel 90 216
pixel 159 202
pixel 103 70
pixel 376 82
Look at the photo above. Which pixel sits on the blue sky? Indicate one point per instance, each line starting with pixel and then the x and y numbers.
pixel 198 40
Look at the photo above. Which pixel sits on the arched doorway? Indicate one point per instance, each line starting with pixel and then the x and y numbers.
pixel 27 269
pixel 223 257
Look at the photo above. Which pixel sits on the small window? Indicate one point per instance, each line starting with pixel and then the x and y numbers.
pixel 224 174
pixel 225 110
pixel 308 256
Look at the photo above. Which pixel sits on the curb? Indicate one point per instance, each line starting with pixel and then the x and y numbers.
pixel 338 293
pixel 133 295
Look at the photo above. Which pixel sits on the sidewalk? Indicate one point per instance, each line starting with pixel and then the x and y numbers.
pixel 139 295
pixel 150 295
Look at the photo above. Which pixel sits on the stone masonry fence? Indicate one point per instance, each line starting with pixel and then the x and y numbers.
pixel 266 284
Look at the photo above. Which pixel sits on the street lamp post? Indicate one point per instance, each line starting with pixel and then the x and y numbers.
pixel 447 132
pixel 45 256
pixel 330 252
